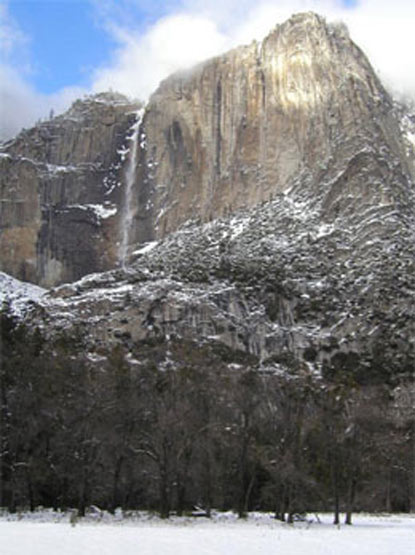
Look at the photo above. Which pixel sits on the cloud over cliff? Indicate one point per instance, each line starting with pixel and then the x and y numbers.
pixel 194 31
pixel 179 33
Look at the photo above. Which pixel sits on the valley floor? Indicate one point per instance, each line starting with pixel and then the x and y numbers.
pixel 51 533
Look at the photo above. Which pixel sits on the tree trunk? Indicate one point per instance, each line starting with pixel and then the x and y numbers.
pixel 116 479
pixel 164 494
pixel 249 491
pixel 182 479
pixel 336 495
pixel 242 476
pixel 5 459
pixel 241 496
pixel 208 486
pixel 336 519
pixel 83 498
pixel 66 501
pixel 350 500
pixel 82 503
pixel 30 492
pixel 290 508
pixel 412 486
pixel 280 511
pixel 164 502
pixel 388 502
pixel 181 495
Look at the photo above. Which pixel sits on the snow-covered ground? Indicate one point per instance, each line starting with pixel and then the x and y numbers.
pixel 224 535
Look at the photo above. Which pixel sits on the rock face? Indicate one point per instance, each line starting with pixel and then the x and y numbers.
pixel 306 168
pixel 61 194
pixel 273 282
pixel 303 106
pixel 240 128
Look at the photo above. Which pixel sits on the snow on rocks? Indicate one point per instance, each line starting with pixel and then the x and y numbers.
pixel 19 294
pixel 101 211
pixel 146 248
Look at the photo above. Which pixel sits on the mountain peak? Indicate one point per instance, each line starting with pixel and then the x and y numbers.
pixel 246 125
pixel 102 100
pixel 301 113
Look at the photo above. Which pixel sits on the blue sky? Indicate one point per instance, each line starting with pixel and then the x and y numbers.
pixel 57 31
pixel 75 31
pixel 52 51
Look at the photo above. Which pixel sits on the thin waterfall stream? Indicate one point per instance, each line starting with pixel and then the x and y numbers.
pixel 129 204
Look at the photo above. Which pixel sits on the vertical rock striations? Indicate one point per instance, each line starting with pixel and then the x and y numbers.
pixel 300 113
pixel 62 194
pixel 297 147
pixel 243 127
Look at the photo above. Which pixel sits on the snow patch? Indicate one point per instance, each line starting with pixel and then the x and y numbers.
pixel 123 152
pixel 56 169
pixel 18 293
pixel 224 534
pixel 101 211
pixel 323 230
pixel 147 248
pixel 94 357
pixel 237 227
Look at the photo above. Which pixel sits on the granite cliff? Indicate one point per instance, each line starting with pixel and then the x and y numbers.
pixel 241 128
pixel 252 345
pixel 60 186
pixel 270 211
pixel 301 107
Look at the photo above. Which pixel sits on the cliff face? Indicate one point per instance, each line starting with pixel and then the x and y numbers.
pixel 273 283
pixel 61 193
pixel 304 165
pixel 271 192
pixel 300 114
pixel 240 128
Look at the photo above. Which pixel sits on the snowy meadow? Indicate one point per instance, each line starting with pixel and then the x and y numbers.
pixel 48 533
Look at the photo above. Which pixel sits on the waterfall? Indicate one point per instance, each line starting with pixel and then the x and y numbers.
pixel 129 204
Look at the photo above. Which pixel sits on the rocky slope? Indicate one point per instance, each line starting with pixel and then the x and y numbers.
pixel 304 166
pixel 274 282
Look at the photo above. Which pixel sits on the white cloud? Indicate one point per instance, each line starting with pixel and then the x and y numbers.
pixel 200 30
pixel 196 30
pixel 16 102
pixel 385 31
pixel 20 104
pixel 172 43
pixel 10 34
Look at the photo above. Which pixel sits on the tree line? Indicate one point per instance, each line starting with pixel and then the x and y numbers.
pixel 170 425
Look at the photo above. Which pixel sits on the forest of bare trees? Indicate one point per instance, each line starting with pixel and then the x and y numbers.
pixel 169 425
